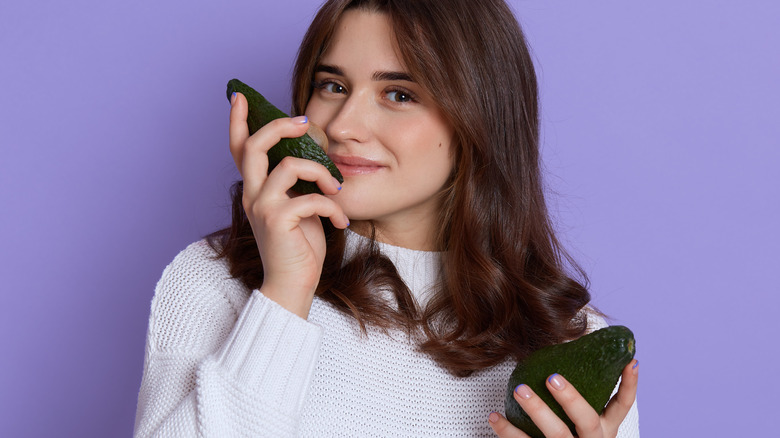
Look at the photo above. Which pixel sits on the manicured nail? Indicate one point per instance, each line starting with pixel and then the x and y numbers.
pixel 556 381
pixel 523 391
pixel 337 183
pixel 233 98
pixel 493 417
pixel 634 368
pixel 301 120
pixel 346 219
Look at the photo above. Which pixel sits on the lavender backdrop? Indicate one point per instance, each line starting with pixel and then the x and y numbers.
pixel 659 136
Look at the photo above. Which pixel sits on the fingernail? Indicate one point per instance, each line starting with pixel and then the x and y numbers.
pixel 337 183
pixel 301 120
pixel 493 417
pixel 346 219
pixel 556 381
pixel 523 391
pixel 633 368
pixel 233 98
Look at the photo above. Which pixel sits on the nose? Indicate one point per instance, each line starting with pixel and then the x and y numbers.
pixel 350 122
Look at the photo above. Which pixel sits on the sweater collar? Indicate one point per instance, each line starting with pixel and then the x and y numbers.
pixel 420 270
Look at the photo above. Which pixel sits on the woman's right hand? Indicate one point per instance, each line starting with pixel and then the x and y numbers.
pixel 286 227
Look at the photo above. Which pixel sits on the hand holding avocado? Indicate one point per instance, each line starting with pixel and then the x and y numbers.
pixel 286 227
pixel 542 402
pixel 312 145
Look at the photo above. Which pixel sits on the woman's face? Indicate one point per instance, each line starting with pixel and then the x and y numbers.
pixel 387 137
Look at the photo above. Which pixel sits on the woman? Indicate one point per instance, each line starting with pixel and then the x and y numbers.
pixel 409 322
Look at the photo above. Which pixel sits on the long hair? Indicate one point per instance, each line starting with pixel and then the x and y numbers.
pixel 507 285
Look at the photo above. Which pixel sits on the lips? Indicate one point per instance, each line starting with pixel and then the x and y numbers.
pixel 352 165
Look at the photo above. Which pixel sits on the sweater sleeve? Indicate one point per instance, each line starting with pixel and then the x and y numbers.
pixel 219 363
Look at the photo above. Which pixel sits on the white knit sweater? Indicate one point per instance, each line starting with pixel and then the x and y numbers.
pixel 223 361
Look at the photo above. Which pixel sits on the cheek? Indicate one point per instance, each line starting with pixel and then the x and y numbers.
pixel 431 149
pixel 429 167
pixel 426 135
pixel 317 112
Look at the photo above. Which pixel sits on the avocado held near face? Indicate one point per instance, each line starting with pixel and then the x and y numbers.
pixel 312 146
pixel 592 364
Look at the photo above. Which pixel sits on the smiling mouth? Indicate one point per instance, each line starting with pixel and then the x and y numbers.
pixel 350 166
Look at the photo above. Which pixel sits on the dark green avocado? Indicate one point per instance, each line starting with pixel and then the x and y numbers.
pixel 261 111
pixel 592 363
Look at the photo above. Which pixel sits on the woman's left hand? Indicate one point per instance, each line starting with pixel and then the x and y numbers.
pixel 586 421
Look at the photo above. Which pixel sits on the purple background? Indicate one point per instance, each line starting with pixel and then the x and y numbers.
pixel 660 140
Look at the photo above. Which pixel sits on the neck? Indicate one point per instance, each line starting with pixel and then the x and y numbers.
pixel 410 234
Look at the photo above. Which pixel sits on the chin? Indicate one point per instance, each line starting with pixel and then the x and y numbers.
pixel 357 205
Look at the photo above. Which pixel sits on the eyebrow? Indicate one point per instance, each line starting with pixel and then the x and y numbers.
pixel 377 76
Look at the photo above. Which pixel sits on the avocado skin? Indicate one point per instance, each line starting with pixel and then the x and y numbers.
pixel 593 364
pixel 261 111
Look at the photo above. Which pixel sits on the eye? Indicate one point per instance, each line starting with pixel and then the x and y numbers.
pixel 335 88
pixel 400 96
pixel 331 87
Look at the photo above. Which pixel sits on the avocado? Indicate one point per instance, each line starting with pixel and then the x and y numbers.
pixel 261 111
pixel 593 364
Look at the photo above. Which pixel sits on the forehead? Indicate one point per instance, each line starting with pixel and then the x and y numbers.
pixel 363 40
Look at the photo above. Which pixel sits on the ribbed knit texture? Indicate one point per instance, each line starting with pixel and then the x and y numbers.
pixel 223 361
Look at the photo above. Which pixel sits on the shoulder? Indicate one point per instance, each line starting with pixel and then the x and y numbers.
pixel 596 319
pixel 195 266
pixel 197 269
pixel 195 298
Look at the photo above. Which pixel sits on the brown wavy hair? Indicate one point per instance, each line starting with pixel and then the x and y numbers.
pixel 507 286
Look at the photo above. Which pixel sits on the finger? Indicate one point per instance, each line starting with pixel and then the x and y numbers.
pixel 503 428
pixel 255 159
pixel 541 414
pixel 287 215
pixel 239 130
pixel 314 205
pixel 291 169
pixel 621 403
pixel 586 420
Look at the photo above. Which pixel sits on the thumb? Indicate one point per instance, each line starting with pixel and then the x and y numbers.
pixel 239 130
